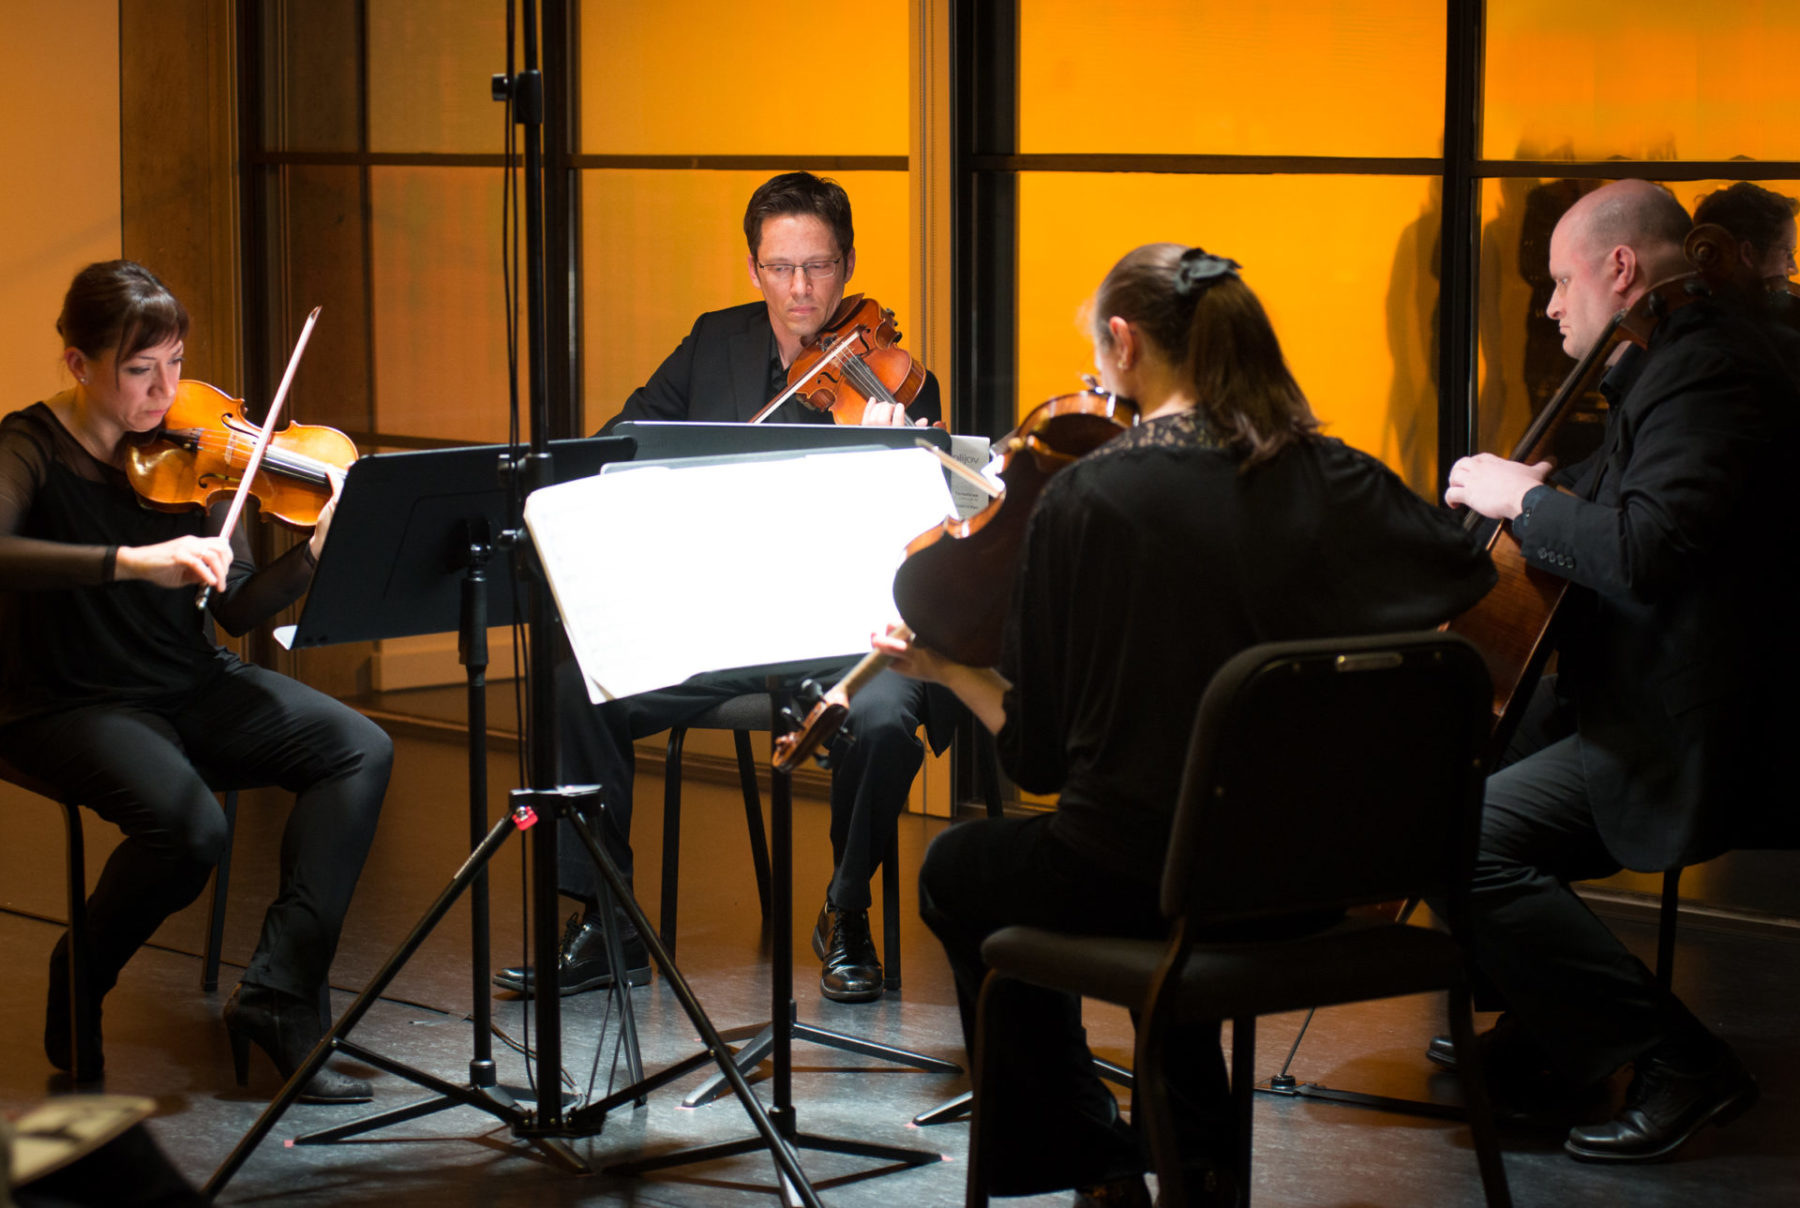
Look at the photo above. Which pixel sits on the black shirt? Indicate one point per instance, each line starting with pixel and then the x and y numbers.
pixel 69 634
pixel 1150 563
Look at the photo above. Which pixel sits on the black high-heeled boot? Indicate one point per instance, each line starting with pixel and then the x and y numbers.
pixel 88 1059
pixel 287 1028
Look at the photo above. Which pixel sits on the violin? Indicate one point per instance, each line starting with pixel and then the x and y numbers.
pixel 855 359
pixel 197 457
pixel 955 586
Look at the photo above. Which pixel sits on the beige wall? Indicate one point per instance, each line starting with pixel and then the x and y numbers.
pixel 59 137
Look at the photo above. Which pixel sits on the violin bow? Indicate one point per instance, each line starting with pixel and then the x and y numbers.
pixel 262 443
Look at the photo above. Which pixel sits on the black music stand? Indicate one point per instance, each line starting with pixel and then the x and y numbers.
pixel 738 443
pixel 408 555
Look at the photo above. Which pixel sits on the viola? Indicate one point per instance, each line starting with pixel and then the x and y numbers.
pixel 198 455
pixel 954 587
pixel 855 359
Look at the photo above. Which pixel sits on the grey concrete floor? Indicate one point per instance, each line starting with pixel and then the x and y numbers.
pixel 163 1040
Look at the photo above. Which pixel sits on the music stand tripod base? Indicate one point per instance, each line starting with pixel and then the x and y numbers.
pixel 783 1113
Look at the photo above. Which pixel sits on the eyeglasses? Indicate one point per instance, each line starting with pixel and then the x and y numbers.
pixel 813 270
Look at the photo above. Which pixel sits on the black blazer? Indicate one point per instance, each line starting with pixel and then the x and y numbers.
pixel 1682 686
pixel 720 373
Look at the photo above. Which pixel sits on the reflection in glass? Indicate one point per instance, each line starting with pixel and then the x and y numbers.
pixel 1346 265
pixel 1522 361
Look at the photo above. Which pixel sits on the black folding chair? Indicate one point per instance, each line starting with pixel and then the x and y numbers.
pixel 1321 775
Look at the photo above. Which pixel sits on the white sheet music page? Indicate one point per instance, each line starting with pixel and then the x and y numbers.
pixel 662 572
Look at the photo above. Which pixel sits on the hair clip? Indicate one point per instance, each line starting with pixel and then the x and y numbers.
pixel 1198 269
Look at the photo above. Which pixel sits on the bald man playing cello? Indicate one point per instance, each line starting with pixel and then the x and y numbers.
pixel 1649 749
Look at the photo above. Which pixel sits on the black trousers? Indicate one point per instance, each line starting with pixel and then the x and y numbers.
pixel 871 777
pixel 134 765
pixel 1054 1121
pixel 1574 988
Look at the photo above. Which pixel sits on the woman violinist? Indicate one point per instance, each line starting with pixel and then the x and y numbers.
pixel 114 692
pixel 1223 519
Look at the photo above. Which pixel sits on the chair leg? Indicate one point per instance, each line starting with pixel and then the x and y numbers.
pixel 890 913
pixel 81 1008
pixel 1665 928
pixel 1150 1112
pixel 215 910
pixel 671 853
pixel 1243 1099
pixel 981 1074
pixel 1475 1099
pixel 753 817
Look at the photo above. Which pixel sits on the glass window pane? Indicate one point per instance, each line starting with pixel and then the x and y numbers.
pixel 438 325
pixel 312 95
pixel 1522 362
pixel 321 211
pixel 1345 265
pixel 1226 78
pixel 661 247
pixel 430 67
pixel 720 77
pixel 1673 80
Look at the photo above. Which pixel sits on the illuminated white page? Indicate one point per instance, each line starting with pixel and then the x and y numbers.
pixel 662 572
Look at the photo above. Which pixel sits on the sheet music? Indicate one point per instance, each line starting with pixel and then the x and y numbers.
pixel 662 572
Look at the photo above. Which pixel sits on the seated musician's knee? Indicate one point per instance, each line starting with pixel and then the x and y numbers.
pixel 198 833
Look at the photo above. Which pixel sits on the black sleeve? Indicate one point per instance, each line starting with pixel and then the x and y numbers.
pixel 28 563
pixel 1696 454
pixel 928 406
pixel 252 596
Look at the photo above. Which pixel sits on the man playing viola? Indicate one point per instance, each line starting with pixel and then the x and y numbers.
pixel 802 254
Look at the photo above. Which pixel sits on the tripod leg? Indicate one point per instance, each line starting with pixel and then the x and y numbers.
pixel 784 1154
pixel 471 868
pixel 621 992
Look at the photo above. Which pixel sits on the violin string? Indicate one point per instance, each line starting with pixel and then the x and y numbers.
pixel 292 465
pixel 865 381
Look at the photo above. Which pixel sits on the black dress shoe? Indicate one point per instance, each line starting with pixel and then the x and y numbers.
pixel 1504 1048
pixel 852 971
pixel 581 960
pixel 1665 1105
pixel 287 1028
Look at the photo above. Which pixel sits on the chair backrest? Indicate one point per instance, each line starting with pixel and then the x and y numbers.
pixel 1330 773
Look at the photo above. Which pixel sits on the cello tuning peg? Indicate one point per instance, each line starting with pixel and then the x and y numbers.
pixel 808 694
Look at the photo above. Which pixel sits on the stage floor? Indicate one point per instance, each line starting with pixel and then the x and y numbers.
pixel 164 1040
